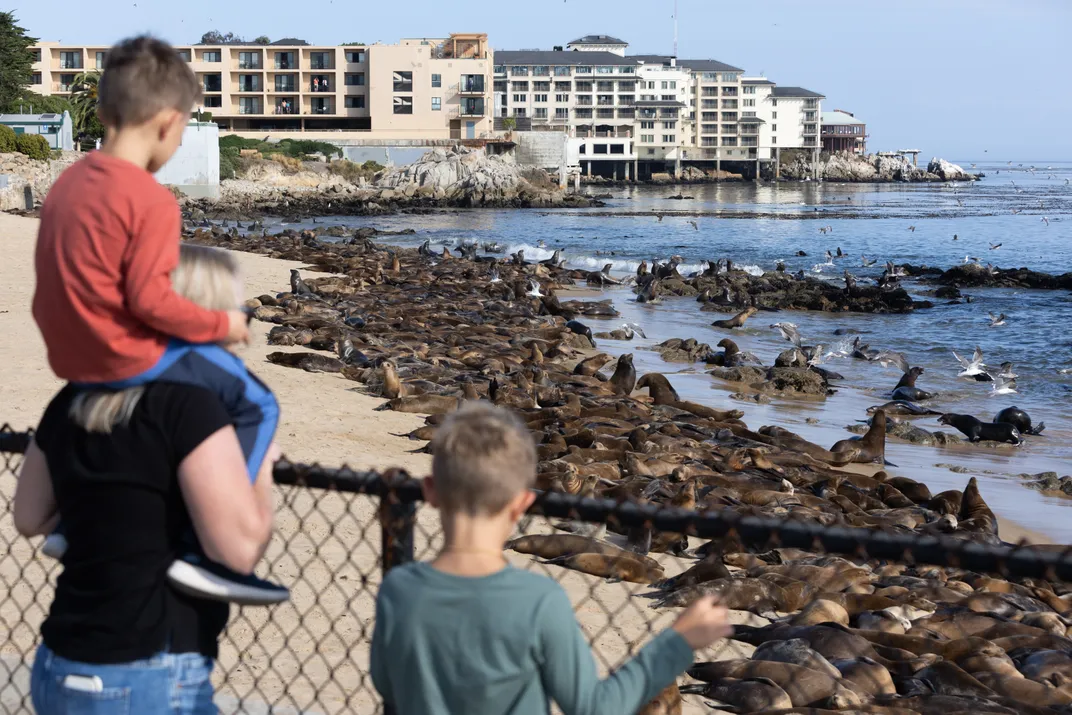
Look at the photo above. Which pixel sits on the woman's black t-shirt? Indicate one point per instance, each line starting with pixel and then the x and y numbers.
pixel 124 516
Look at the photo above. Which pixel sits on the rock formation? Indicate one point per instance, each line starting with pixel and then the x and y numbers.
pixel 842 166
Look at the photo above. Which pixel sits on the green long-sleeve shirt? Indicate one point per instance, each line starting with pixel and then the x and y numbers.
pixel 501 644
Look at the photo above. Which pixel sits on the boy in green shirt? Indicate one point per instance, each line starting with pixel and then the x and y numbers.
pixel 470 634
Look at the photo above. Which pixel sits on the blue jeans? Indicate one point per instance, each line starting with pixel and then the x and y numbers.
pixel 166 684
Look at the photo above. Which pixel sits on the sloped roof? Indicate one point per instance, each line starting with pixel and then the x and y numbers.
pixel 795 92
pixel 838 117
pixel 598 40
pixel 695 65
pixel 559 57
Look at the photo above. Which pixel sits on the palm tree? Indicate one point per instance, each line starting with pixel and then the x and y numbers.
pixel 84 100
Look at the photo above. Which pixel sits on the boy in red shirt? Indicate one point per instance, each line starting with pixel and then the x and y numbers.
pixel 108 241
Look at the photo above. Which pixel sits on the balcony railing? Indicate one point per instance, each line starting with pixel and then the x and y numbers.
pixel 606 102
pixel 70 65
pixel 254 87
pixel 286 65
pixel 212 88
pixel 472 86
pixel 249 65
pixel 472 109
pixel 403 86
pixel 61 87
pixel 249 110
pixel 323 110
pixel 289 109
pixel 584 101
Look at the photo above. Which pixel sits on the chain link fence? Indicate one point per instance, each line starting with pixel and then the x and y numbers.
pixel 826 616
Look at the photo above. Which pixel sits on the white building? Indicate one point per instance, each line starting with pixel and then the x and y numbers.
pixel 55 128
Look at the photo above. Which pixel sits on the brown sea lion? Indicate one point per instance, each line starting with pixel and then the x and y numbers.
pixel 737 320
pixel 310 362
pixel 746 696
pixel 1024 689
pixel 804 686
pixel 742 594
pixel 392 386
pixel 616 568
pixel 659 388
pixel 590 366
pixel 709 568
pixel 424 404
pixel 974 514
pixel 551 546
pixel 821 610
pixel 871 447
pixel 796 651
pixel 707 412
pixel 624 378
pixel 788 440
pixel 867 676
pixel 947 678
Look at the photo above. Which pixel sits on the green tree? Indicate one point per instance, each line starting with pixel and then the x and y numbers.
pixel 84 101
pixel 7 140
pixel 34 146
pixel 262 40
pixel 16 58
pixel 215 37
pixel 38 102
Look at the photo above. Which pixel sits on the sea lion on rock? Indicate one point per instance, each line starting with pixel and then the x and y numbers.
pixel 976 431
pixel 660 389
pixel 624 378
pixel 575 326
pixel 871 447
pixel 616 568
pixel 1020 420
pixel 737 320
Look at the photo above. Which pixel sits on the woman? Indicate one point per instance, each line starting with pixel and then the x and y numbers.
pixel 130 471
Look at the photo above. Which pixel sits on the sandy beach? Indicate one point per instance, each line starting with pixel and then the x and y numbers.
pixel 310 654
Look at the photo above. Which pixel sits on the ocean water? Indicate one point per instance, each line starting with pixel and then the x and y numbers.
pixel 1024 206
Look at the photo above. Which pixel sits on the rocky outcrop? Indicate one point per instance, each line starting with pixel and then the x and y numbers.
pixel 973 275
pixel 777 380
pixel 28 180
pixel 683 350
pixel 841 166
pixel 728 291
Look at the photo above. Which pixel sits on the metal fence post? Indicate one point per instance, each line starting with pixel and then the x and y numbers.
pixel 397 520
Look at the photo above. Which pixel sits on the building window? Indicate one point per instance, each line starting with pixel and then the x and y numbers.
pixel 669 125
pixel 584 69
pixel 355 79
pixel 541 71
pixel 605 86
pixel 519 86
pixel 437 104
pixel 249 83
pixel 249 105
pixel 320 60
pixel 667 97
pixel 604 70
pixel 562 71
pixel 561 97
pixel 774 115
pixel 647 125
pixel 774 102
pixel 774 140
pixel 668 138
pixel 249 60
pixel 211 83
pixel 403 105
pixel 35 78
pixel 561 113
pixel 70 60
pixel 651 152
pixel 213 101
pixel 626 99
pixel 355 56
pixel 541 112
pixel 285 61
pixel 539 98
pixel 403 82
pixel 101 56
pixel 747 114
pixel 749 89
pixel 624 69
pixel 437 80
pixel 583 113
pixel 729 77
pixel 584 86
pixel 184 55
pixel 774 127
pixel 471 83
pixel 519 71
pixel 355 102
pixel 605 113
pixel 521 98
pixel 284 83
pixel 729 141
pixel 35 55
pixel 209 56
pixel 563 86
pixel 541 86
pixel 749 102
pixel 648 138
pixel 519 112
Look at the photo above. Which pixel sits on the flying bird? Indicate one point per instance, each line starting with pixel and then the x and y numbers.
pixel 695 225
pixel 995 246
pixel 1045 221
pixel 912 229
pixel 865 262
pixel 1002 385
pixel 631 328
pixel 789 332
pixel 996 320
pixel 534 289
pixel 971 367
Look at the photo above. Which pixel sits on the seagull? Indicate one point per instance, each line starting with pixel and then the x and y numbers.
pixel 912 229
pixel 865 262
pixel 995 246
pixel 789 332
pixel 973 366
pixel 695 225
pixel 534 289
pixel 890 357
pixel 1002 385
pixel 970 259
pixel 1045 221
pixel 660 217
pixel 493 276
pixel 630 328
pixel 829 259
pixel 996 320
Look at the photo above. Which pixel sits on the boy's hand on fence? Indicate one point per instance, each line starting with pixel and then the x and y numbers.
pixel 703 623
pixel 238 327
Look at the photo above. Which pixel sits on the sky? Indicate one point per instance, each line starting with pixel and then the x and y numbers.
pixel 960 79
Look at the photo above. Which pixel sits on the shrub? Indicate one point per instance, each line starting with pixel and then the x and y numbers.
pixel 7 140
pixel 34 146
pixel 352 171
pixel 373 166
pixel 302 147
pixel 290 164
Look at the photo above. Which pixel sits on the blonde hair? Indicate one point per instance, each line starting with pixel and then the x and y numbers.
pixel 207 276
pixel 483 456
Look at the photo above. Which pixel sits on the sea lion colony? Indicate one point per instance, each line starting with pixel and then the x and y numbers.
pixel 846 635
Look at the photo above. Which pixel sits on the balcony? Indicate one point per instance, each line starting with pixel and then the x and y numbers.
pixel 249 65
pixel 61 87
pixel 249 109
pixel 472 108
pixel 749 141
pixel 216 86
pixel 809 141
pixel 287 106
pixel 471 84
pixel 403 86
pixel 605 102
pixel 280 65
pixel 584 101
pixel 621 133
pixel 729 91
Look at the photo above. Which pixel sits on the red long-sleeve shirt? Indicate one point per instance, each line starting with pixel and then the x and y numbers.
pixel 108 241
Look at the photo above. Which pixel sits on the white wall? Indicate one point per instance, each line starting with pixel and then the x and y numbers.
pixel 195 168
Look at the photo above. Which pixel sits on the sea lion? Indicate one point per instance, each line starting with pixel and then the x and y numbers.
pixel 1024 689
pixel 796 651
pixel 974 514
pixel 575 326
pixel 804 686
pixel 1020 420
pixel 947 678
pixel 903 407
pixel 821 610
pixel 614 568
pixel 737 320
pixel 590 366
pixel 867 676
pixel 551 546
pixel 392 386
pixel 745 696
pixel 742 594
pixel 424 404
pixel 310 362
pixel 624 378
pixel 975 430
pixel 708 569
pixel 906 389
pixel 297 285
pixel 660 389
pixel 871 447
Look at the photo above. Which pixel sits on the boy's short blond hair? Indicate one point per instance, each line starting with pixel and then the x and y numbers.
pixel 142 76
pixel 483 456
